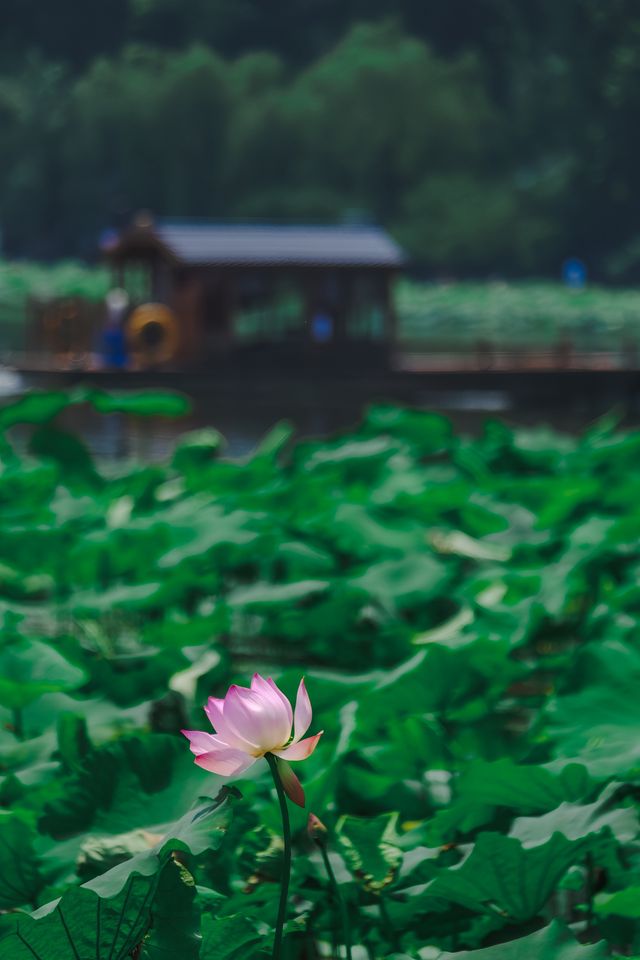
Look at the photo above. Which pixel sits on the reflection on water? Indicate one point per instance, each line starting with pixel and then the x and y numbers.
pixel 245 411
pixel 11 383
pixel 116 436
pixel 482 401
pixel 244 422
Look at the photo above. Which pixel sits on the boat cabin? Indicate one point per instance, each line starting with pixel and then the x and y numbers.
pixel 198 291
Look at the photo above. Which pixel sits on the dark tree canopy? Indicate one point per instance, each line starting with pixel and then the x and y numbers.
pixel 493 136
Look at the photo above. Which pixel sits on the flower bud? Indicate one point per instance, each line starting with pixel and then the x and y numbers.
pixel 316 829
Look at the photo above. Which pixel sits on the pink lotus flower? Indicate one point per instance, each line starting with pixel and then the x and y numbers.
pixel 251 722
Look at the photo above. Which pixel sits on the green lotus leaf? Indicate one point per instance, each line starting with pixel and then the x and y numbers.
pixel 551 943
pixel 29 668
pixel 622 903
pixel 20 876
pixel 228 938
pixel 500 874
pixel 370 849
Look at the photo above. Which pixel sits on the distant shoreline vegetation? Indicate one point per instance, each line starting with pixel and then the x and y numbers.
pixel 526 314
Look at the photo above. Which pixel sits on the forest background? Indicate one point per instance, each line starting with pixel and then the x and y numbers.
pixel 493 137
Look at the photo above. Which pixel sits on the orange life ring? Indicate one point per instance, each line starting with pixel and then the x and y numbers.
pixel 153 334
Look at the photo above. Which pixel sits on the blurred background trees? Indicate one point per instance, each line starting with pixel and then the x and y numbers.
pixel 494 136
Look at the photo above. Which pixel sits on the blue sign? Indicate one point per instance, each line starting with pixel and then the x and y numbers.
pixel 574 273
pixel 322 328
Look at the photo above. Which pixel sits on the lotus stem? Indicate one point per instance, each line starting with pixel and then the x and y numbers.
pixel 17 722
pixel 590 884
pixel 286 861
pixel 387 926
pixel 335 890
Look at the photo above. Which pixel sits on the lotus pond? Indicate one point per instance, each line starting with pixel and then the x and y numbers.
pixel 466 614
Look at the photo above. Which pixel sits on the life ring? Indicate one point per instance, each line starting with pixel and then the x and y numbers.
pixel 153 334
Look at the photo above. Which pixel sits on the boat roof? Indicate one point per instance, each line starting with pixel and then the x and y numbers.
pixel 265 244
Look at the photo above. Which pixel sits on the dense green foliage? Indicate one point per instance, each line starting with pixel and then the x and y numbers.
pixel 517 315
pixel 489 136
pixel 466 613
